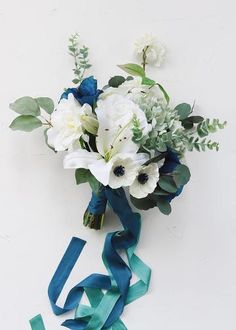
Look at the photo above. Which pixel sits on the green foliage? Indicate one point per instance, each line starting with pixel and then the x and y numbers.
pixel 83 175
pixel 46 140
pixel 133 69
pixel 166 96
pixel 152 200
pixel 167 183
pixel 143 203
pixel 207 126
pixel 181 175
pixel 163 205
pixel 137 130
pixel 26 123
pixel 26 106
pixel 46 104
pixel 201 144
pixel 183 110
pixel 148 81
pixel 80 55
pixel 116 81
pixel 188 123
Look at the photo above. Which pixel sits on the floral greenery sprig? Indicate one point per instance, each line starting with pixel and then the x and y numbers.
pixel 80 55
pixel 126 135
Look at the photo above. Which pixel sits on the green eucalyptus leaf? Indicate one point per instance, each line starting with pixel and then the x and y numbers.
pixel 160 192
pixel 133 69
pixel 46 104
pixel 189 122
pixel 181 175
pixel 75 81
pixel 143 203
pixel 26 106
pixel 183 110
pixel 167 183
pixel 163 205
pixel 26 123
pixel 116 81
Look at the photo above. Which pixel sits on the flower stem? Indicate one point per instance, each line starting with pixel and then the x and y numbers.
pixel 144 62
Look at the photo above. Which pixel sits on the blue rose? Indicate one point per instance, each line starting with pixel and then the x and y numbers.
pixel 171 161
pixel 87 92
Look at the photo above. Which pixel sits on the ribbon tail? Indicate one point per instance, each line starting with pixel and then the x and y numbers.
pixel 36 323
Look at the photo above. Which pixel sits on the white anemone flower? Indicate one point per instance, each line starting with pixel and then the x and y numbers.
pixel 69 122
pixel 117 162
pixel 145 182
pixel 155 51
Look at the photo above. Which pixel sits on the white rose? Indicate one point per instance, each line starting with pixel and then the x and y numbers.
pixel 69 121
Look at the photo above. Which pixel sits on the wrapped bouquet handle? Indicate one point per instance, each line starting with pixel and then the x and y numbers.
pixel 95 212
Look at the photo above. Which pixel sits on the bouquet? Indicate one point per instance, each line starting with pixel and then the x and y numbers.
pixel 126 135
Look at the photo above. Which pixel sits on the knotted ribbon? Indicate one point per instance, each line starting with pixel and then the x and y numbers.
pixel 106 308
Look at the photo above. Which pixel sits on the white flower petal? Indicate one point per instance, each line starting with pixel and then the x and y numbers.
pixel 101 170
pixel 141 190
pixel 80 159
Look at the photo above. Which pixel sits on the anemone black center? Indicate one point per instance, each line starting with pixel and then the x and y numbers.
pixel 142 178
pixel 119 170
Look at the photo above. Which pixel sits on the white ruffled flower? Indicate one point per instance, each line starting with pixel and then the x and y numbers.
pixel 155 51
pixel 69 121
pixel 128 88
pixel 145 182
pixel 117 162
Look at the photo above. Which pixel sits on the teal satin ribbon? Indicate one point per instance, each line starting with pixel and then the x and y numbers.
pixel 105 307
pixel 37 323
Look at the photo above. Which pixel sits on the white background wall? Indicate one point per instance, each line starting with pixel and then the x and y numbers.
pixel 191 252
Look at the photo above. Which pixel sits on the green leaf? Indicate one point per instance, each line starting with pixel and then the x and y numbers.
pixel 26 106
pixel 167 183
pixel 148 82
pixel 183 110
pixel 181 175
pixel 75 81
pixel 163 205
pixel 189 122
pixel 116 81
pixel 94 184
pixel 166 96
pixel 46 104
pixel 133 69
pixel 25 123
pixel 143 203
pixel 160 192
pixel 83 175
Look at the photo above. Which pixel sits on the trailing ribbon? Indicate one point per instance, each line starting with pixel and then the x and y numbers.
pixel 105 309
pixel 37 323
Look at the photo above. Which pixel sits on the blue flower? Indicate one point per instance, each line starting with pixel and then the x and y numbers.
pixel 87 92
pixel 171 161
